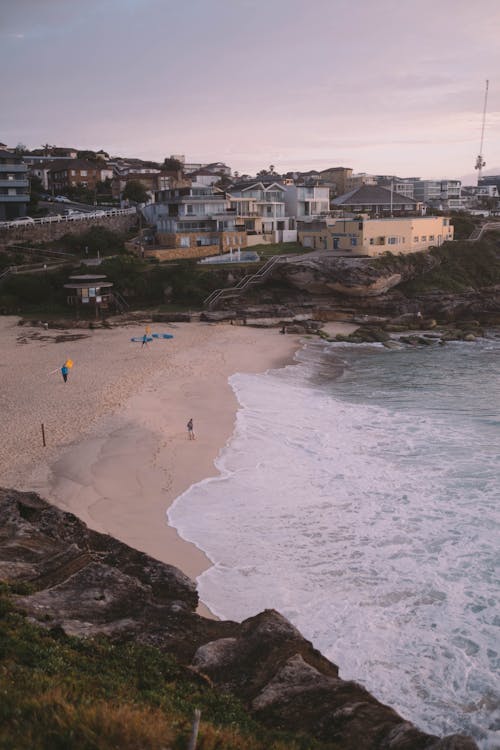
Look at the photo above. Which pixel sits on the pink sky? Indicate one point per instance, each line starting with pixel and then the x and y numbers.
pixel 382 87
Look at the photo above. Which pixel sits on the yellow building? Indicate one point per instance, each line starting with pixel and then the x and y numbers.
pixel 370 237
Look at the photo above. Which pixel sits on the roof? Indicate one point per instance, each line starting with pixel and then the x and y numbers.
pixel 262 184
pixel 372 195
pixel 76 164
pixel 87 277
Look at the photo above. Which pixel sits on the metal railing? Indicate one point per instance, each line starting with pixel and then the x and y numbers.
pixel 96 214
pixel 244 283
pixel 479 231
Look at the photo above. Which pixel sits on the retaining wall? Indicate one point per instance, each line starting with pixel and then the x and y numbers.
pixel 54 230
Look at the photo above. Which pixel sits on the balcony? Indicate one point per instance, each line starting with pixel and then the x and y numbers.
pixel 13 183
pixel 23 198
pixel 5 166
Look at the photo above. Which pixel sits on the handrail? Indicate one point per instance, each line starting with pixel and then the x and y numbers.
pixel 246 281
pixel 478 232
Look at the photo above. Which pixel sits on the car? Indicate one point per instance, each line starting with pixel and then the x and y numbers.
pixel 61 199
pixel 96 214
pixel 22 221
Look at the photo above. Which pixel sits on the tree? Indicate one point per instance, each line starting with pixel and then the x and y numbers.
pixel 20 149
pixel 173 165
pixel 136 192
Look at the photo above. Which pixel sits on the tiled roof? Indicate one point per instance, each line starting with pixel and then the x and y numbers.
pixel 369 195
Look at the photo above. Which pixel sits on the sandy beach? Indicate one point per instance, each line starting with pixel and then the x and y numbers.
pixel 117 450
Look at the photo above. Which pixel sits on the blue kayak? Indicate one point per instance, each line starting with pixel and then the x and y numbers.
pixel 141 338
pixel 162 336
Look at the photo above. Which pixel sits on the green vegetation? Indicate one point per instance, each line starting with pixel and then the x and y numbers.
pixel 94 240
pixel 463 226
pixel 42 292
pixel 459 266
pixel 65 693
pixel 136 192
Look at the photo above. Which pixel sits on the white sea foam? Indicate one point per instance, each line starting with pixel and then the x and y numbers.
pixel 364 509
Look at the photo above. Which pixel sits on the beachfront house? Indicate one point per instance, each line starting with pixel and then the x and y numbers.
pixel 307 200
pixel 362 236
pixel 261 208
pixel 194 222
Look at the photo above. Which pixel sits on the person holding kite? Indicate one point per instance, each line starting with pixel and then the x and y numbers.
pixel 65 369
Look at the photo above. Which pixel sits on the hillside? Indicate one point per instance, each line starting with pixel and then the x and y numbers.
pixel 100 647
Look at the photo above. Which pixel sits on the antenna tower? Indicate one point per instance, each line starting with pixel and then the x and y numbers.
pixel 480 163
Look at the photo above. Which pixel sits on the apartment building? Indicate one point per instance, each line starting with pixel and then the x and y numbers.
pixel 74 172
pixel 14 186
pixel 371 237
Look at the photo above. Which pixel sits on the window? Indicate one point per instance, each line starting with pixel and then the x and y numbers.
pixel 431 238
pixel 415 239
pixel 83 172
pixel 392 240
pixel 354 241
pixel 189 208
pixel 184 241
pixel 423 238
pixel 372 241
pixel 73 172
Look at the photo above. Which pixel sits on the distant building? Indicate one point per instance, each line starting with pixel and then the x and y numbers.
pixel 339 177
pixel 491 179
pixel 370 237
pixel 14 186
pixel 75 172
pixel 376 201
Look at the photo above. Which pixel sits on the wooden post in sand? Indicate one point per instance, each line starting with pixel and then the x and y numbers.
pixel 194 731
pixel 43 436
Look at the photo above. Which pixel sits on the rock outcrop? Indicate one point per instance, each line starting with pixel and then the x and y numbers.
pixel 88 583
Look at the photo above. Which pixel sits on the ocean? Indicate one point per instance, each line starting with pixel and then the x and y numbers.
pixel 359 496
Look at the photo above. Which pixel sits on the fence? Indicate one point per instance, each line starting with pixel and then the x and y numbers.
pixel 58 219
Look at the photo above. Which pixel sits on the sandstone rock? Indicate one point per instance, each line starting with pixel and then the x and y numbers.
pixel 89 583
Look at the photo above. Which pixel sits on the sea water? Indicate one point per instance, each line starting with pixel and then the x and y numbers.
pixel 359 496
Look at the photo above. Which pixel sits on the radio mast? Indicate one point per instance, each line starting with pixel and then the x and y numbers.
pixel 480 163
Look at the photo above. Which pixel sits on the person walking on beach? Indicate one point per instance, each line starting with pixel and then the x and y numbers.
pixel 191 434
pixel 64 372
pixel 144 340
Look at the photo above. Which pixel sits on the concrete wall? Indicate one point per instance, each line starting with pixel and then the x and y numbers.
pixel 55 230
pixel 181 253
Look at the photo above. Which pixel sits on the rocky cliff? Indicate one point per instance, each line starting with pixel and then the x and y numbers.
pixel 453 281
pixel 89 584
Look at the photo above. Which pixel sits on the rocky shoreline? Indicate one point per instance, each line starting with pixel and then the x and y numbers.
pixel 89 584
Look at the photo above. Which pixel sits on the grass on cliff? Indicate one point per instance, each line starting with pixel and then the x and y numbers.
pixel 453 267
pixel 64 693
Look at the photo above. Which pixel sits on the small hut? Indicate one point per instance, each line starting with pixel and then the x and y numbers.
pixel 90 291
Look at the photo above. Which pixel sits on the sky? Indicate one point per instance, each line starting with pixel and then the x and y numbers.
pixel 381 86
